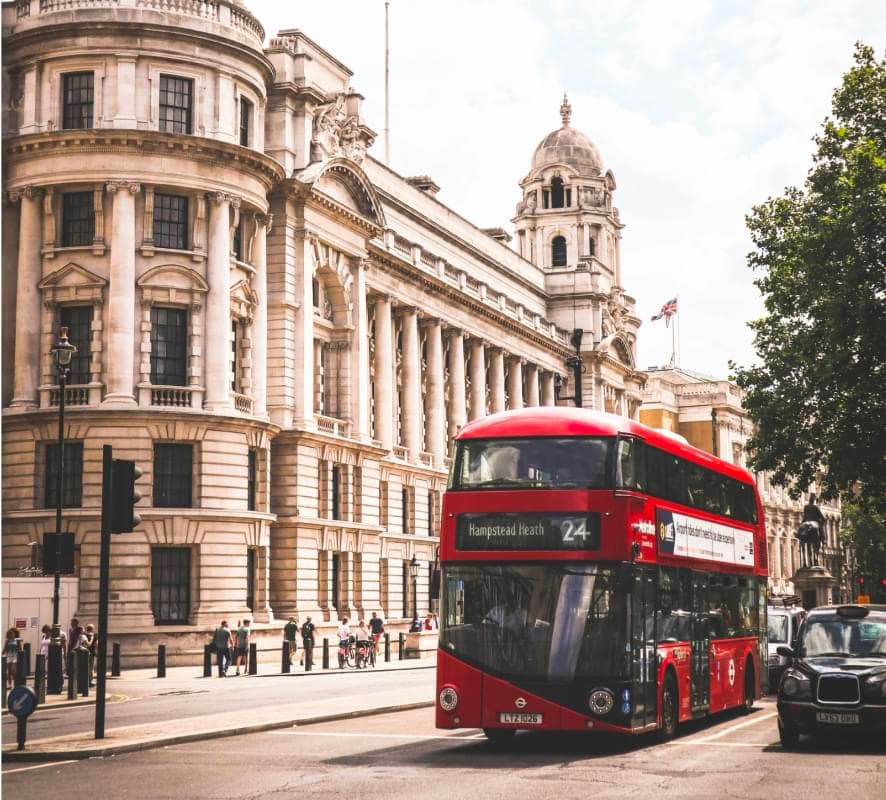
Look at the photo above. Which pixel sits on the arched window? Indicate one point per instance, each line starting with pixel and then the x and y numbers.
pixel 558 252
pixel 557 193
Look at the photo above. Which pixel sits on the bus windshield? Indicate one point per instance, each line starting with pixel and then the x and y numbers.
pixel 538 621
pixel 533 463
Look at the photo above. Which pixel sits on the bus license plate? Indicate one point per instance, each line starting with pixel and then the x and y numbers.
pixel 837 719
pixel 519 719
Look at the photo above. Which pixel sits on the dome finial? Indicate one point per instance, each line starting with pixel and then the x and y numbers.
pixel 565 110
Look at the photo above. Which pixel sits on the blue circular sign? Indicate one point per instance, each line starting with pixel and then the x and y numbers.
pixel 21 701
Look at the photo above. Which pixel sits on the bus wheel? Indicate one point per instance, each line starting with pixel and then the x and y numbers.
pixel 499 736
pixel 669 708
pixel 750 688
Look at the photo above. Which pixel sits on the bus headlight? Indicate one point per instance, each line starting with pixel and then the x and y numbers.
pixel 448 698
pixel 601 701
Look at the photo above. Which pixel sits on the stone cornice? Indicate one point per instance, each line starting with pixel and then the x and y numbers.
pixel 136 142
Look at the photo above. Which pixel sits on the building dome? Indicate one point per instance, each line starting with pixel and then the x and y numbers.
pixel 568 147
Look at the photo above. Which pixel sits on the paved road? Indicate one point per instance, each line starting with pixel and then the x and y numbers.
pixel 156 700
pixel 403 756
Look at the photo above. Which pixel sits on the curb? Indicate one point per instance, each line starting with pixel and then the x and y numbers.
pixel 217 733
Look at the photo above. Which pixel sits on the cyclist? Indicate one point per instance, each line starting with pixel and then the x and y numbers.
pixel 344 642
pixel 364 645
pixel 376 629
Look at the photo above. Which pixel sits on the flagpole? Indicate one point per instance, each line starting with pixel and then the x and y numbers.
pixel 674 344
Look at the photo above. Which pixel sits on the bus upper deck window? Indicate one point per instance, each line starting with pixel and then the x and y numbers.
pixel 630 464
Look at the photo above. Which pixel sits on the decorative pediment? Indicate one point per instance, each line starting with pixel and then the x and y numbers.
pixel 72 283
pixel 171 283
pixel 243 300
pixel 342 185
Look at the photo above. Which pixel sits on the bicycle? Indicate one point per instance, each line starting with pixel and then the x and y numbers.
pixel 347 653
pixel 365 654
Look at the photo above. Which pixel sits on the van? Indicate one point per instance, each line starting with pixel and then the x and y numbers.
pixel 783 625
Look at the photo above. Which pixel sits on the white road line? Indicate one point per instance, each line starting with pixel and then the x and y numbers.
pixel 728 744
pixel 378 735
pixel 38 766
pixel 727 731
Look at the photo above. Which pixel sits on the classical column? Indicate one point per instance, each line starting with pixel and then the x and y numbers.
pixel 435 401
pixel 532 393
pixel 410 403
pixel 359 354
pixel 384 372
pixel 478 379
pixel 27 300
pixel 303 345
pixel 121 295
pixel 515 383
pixel 263 224
pixel 457 411
pixel 496 379
pixel 548 396
pixel 218 303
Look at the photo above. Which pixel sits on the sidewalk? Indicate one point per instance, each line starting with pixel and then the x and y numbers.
pixel 135 683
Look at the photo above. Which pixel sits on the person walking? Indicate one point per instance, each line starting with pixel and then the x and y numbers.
pixel 242 647
pixel 92 646
pixel 45 641
pixel 290 629
pixel 344 642
pixel 307 642
pixel 376 629
pixel 223 644
pixel 364 645
pixel 11 649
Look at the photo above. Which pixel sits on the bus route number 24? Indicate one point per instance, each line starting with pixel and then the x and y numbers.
pixel 574 528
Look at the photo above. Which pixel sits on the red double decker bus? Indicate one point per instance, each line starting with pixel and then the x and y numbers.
pixel 596 574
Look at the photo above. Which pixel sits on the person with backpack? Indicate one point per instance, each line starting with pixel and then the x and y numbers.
pixel 223 642
pixel 307 642
pixel 242 652
pixel 290 629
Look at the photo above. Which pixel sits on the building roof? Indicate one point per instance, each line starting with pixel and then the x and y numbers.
pixel 569 147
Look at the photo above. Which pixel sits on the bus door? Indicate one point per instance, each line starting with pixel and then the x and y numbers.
pixel 700 671
pixel 643 647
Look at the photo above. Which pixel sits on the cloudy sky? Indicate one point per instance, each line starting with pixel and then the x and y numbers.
pixel 701 109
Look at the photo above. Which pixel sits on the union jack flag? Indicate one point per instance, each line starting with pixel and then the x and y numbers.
pixel 667 311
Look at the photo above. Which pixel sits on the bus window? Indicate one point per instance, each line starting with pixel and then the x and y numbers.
pixel 630 465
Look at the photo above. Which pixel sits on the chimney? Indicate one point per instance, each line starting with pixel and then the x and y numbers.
pixel 499 234
pixel 425 183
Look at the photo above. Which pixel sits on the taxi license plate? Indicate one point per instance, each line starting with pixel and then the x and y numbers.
pixel 835 718
pixel 519 719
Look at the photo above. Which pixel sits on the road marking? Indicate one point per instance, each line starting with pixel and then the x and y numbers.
pixel 378 735
pixel 761 746
pixel 38 766
pixel 727 731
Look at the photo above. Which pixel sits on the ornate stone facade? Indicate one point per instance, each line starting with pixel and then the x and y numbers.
pixel 709 414
pixel 280 330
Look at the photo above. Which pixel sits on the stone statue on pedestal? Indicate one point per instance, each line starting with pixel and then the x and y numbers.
pixel 811 533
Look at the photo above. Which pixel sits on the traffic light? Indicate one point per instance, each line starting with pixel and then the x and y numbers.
pixel 124 496
pixel 861 584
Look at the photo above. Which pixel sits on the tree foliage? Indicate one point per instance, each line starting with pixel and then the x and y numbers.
pixel 864 528
pixel 818 397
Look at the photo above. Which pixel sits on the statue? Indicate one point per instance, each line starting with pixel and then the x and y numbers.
pixel 811 533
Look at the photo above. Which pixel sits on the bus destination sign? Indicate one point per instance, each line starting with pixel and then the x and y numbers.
pixel 504 531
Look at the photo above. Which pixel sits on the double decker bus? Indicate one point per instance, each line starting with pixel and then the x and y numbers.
pixel 597 574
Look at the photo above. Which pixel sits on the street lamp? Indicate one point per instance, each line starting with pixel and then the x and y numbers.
pixel 413 572
pixel 62 352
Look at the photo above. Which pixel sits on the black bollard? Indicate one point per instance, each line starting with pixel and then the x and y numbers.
pixel 401 646
pixel 253 658
pixel 325 653
pixel 308 655
pixel 161 660
pixel 284 659
pixel 40 679
pixel 387 647
pixel 21 674
pixel 55 670
pixel 27 655
pixel 207 661
pixel 115 661
pixel 83 672
pixel 72 675
pixel 4 681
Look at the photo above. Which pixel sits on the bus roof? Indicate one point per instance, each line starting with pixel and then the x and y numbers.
pixel 570 421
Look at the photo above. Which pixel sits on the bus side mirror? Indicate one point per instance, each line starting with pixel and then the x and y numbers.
pixel 787 652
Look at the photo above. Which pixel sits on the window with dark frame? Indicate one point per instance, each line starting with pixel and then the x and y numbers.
pixel 78 321
pixel 171 585
pixel 252 480
pixel 336 491
pixel 77 100
pixel 173 475
pixel 245 121
pixel 238 241
pixel 78 219
pixel 72 486
pixel 235 362
pixel 558 252
pixel 336 579
pixel 176 101
pixel 169 346
pixel 431 512
pixel 406 600
pixel 250 578
pixel 171 221
pixel 557 194
pixel 404 508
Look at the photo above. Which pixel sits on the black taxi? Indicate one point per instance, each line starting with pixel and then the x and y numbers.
pixel 836 678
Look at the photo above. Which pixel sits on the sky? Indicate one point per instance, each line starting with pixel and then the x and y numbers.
pixel 701 109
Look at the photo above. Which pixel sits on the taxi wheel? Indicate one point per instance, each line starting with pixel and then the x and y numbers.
pixel 499 736
pixel 788 735
pixel 669 708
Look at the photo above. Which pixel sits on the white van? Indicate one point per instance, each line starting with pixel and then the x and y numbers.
pixel 783 624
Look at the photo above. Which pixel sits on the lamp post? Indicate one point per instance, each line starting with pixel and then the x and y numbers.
pixel 413 572
pixel 62 352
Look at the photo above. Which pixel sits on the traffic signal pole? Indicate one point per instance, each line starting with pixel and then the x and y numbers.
pixel 104 576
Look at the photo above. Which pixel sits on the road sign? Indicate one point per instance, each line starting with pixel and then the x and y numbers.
pixel 58 553
pixel 21 702
pixel 863 598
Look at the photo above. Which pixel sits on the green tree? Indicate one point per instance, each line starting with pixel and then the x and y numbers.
pixel 818 397
pixel 864 528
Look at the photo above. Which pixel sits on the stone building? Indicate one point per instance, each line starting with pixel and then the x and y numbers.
pixel 709 414
pixel 280 330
